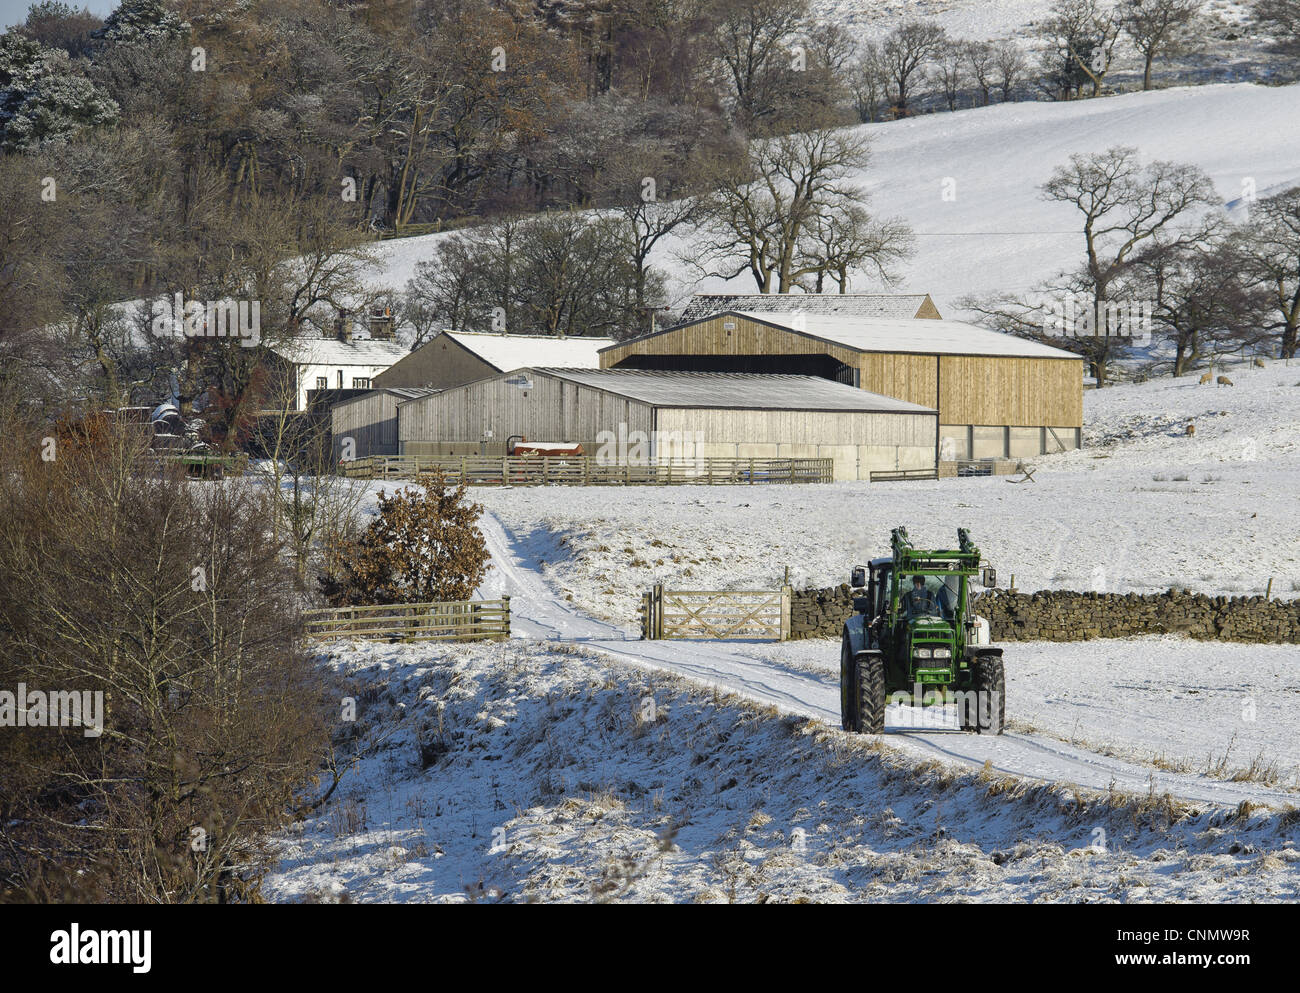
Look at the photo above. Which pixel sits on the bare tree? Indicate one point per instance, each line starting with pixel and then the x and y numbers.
pixel 752 42
pixel 1080 37
pixel 1123 206
pixel 905 52
pixel 1202 302
pixel 760 217
pixel 1269 251
pixel 868 83
pixel 951 66
pixel 1159 28
pixel 1011 66
pixel 839 243
pixel 982 61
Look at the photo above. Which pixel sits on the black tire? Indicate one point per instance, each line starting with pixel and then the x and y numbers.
pixel 870 677
pixel 848 688
pixel 989 682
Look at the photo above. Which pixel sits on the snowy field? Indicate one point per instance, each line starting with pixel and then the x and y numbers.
pixel 997 235
pixel 1142 507
pixel 524 772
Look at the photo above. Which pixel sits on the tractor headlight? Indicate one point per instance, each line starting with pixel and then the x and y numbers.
pixel 943 653
pixel 922 653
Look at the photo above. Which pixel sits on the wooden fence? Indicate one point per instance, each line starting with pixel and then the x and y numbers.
pixel 546 470
pixel 474 620
pixel 716 614
pixel 897 475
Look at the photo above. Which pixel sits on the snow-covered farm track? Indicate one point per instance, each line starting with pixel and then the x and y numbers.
pixel 539 613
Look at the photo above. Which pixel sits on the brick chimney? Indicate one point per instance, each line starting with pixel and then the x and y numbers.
pixel 343 325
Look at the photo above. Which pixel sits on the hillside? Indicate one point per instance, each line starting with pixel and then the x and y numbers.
pixel 997 235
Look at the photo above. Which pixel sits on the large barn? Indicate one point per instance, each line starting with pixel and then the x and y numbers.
pixel 677 415
pixel 998 396
pixel 455 358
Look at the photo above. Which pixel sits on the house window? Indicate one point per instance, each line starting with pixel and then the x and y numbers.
pixel 340 379
pixel 360 383
pixel 322 382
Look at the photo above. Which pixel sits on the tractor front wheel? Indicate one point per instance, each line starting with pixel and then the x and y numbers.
pixel 869 674
pixel 848 688
pixel 989 682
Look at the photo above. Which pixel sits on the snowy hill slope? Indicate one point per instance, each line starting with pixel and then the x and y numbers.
pixel 997 234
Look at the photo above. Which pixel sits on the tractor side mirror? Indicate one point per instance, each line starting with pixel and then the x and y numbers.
pixel 858 580
pixel 989 577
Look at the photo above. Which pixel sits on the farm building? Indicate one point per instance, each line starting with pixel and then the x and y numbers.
pixel 455 358
pixel 676 415
pixel 336 362
pixel 998 396
pixel 874 306
pixel 370 420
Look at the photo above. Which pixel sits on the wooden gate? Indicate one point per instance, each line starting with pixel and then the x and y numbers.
pixel 473 620
pixel 757 615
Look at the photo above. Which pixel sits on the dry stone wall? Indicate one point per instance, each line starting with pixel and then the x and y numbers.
pixel 1063 615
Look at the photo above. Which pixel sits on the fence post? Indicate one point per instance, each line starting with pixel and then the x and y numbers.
pixel 785 612
pixel 658 611
pixel 506 615
pixel 645 616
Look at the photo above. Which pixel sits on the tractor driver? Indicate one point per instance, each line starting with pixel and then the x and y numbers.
pixel 918 601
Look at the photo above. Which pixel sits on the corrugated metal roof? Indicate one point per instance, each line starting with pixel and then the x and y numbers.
pixel 732 390
pixel 331 351
pixel 901 306
pixel 920 336
pixel 516 351
pixel 402 393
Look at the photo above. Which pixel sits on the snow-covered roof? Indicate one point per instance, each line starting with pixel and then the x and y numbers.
pixel 402 394
pixel 515 351
pixel 897 306
pixel 920 335
pixel 740 390
pixel 331 351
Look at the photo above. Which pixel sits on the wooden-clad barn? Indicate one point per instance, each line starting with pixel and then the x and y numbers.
pixel 454 358
pixel 679 415
pixel 370 421
pixel 998 396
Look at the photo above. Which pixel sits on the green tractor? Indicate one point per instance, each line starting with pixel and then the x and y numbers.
pixel 914 639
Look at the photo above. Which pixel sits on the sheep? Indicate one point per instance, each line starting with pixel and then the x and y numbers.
pixel 1259 363
pixel 1224 381
pixel 1208 377
pixel 1191 428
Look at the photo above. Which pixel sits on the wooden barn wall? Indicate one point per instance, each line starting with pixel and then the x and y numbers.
pixel 803 426
pixel 1010 391
pixel 441 363
pixel 709 337
pixel 913 378
pixel 370 420
pixel 553 410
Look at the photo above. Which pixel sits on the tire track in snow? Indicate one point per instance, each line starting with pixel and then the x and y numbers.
pixel 538 613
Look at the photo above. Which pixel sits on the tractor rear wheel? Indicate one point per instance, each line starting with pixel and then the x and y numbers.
pixel 848 688
pixel 870 678
pixel 988 679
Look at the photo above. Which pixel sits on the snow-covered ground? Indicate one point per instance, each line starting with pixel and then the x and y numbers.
pixel 530 771
pixel 1142 507
pixel 997 234
pixel 576 763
